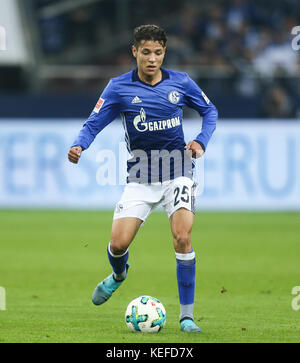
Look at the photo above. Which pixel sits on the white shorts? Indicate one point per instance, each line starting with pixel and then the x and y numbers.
pixel 138 200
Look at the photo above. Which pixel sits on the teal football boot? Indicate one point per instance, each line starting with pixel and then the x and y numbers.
pixel 188 325
pixel 106 288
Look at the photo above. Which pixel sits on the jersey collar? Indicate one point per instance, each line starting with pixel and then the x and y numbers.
pixel 136 78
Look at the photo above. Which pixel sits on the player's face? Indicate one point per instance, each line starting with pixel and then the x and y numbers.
pixel 149 56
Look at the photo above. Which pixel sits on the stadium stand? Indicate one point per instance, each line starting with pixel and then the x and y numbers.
pixel 239 51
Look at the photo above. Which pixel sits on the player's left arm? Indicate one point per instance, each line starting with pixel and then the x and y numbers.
pixel 194 149
pixel 196 99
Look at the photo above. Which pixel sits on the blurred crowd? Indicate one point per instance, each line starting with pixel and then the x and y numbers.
pixel 239 48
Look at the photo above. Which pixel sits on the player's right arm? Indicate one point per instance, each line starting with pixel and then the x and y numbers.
pixel 106 110
pixel 74 154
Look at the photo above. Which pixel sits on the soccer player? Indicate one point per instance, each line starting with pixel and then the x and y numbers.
pixel 160 171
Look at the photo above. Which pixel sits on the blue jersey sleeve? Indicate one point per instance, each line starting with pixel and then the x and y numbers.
pixel 195 98
pixel 106 110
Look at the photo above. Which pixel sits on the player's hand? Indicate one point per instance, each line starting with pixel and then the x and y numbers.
pixel 74 154
pixel 194 149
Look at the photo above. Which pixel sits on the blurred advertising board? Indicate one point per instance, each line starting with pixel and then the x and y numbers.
pixel 248 165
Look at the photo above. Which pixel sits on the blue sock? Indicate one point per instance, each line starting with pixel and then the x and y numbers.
pixel 186 271
pixel 118 263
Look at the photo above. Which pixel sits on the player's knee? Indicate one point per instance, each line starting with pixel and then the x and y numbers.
pixel 182 241
pixel 118 246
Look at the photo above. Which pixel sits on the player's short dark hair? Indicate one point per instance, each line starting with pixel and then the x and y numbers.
pixel 149 32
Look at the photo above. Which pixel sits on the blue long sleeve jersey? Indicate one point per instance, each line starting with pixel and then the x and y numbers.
pixel 152 121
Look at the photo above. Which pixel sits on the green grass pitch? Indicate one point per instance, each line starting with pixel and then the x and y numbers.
pixel 50 262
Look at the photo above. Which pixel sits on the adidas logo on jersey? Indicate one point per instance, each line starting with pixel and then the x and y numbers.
pixel 136 100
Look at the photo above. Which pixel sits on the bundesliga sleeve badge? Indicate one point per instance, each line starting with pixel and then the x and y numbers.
pixel 99 105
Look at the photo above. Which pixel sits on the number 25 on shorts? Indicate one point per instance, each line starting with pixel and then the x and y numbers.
pixel 181 194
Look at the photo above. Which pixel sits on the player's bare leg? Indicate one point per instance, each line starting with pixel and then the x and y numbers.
pixel 181 226
pixel 122 234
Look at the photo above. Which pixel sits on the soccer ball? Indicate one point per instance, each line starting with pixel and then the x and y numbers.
pixel 145 314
